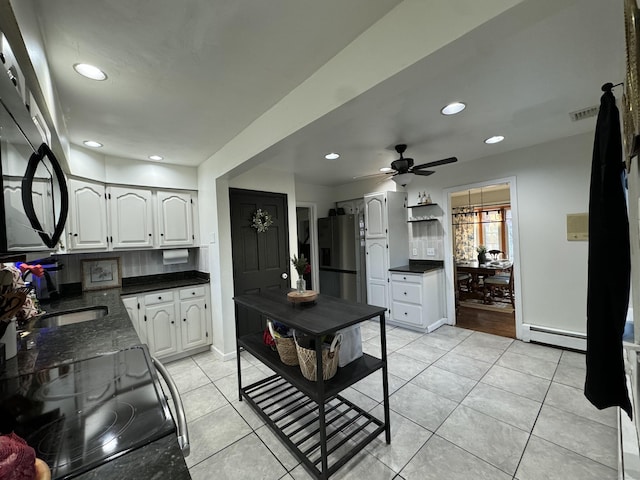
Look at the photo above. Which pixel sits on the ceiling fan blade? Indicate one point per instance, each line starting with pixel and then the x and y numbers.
pixel 424 173
pixel 437 163
pixel 371 175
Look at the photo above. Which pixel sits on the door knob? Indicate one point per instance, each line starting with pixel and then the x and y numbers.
pixel 284 276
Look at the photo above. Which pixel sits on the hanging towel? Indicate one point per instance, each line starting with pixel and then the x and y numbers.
pixel 608 285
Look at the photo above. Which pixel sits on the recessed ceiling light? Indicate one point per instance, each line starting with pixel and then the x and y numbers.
pixel 157 158
pixel 89 71
pixel 386 169
pixel 332 156
pixel 92 143
pixel 453 108
pixel 494 139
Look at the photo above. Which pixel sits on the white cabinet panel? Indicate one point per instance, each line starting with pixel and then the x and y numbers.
pixel 131 218
pixel 377 258
pixel 193 327
pixel 375 215
pixel 133 309
pixel 20 234
pixel 175 219
pixel 161 329
pixel 87 224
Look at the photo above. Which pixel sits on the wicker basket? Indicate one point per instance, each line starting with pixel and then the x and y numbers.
pixel 307 359
pixel 286 347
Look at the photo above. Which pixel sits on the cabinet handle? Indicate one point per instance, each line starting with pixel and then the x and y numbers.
pixel 159 298
pixel 405 293
pixel 184 319
pixel 405 313
pixel 193 293
pixel 172 322
pixel 404 278
pixel 75 234
pixel 162 234
pixel 149 234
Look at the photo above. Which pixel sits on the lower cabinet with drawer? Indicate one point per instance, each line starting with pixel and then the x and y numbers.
pixel 416 300
pixel 171 322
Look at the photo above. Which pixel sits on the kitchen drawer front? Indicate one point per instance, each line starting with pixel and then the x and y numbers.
pixel 407 313
pixel 407 292
pixel 158 297
pixel 406 277
pixel 191 292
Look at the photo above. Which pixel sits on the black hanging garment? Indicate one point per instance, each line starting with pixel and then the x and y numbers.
pixel 608 282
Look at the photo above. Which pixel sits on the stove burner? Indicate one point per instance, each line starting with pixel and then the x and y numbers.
pixel 105 426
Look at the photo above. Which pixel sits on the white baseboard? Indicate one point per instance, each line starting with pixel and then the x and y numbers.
pixel 554 336
pixel 223 356
pixel 438 324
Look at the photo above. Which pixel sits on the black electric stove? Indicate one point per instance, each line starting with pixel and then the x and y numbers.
pixel 79 415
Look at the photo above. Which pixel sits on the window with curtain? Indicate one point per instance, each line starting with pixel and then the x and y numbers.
pixel 489 226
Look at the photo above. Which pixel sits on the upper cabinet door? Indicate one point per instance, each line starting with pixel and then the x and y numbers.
pixel 175 219
pixel 375 215
pixel 131 218
pixel 20 234
pixel 87 216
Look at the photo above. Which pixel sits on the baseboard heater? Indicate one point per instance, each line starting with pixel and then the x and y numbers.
pixel 554 336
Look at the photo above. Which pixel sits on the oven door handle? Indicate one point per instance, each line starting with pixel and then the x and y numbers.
pixel 183 433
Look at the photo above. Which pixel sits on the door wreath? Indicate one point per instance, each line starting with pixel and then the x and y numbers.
pixel 261 220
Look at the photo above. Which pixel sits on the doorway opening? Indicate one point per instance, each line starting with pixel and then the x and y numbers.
pixel 484 253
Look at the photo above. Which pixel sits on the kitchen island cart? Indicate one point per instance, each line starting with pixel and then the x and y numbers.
pixel 321 427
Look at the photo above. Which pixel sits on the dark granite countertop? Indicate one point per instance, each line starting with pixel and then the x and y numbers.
pixel 65 344
pixel 419 266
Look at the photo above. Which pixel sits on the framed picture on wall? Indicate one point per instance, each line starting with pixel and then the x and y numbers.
pixel 99 273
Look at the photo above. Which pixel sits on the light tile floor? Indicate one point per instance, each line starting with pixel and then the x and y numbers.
pixel 464 405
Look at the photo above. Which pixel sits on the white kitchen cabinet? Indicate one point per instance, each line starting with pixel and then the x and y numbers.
pixel 386 242
pixel 130 218
pixel 20 234
pixel 417 300
pixel 193 325
pixel 175 219
pixel 377 272
pixel 87 221
pixel 133 309
pixel 172 322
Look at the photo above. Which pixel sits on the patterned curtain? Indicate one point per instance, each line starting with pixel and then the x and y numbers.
pixel 464 237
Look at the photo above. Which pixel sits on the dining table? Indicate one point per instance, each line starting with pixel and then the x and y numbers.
pixel 479 271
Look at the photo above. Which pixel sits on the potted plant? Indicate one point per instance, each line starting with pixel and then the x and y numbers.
pixel 302 266
pixel 482 254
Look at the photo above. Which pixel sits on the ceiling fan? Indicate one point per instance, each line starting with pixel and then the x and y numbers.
pixel 402 168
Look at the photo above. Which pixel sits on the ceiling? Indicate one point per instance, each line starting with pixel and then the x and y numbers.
pixel 186 77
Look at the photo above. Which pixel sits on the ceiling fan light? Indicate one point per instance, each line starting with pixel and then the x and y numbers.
pixel 402 179
pixel 494 139
pixel 90 71
pixel 332 156
pixel 92 144
pixel 156 158
pixel 386 169
pixel 453 108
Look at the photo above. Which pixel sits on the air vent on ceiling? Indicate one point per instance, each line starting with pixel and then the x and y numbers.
pixel 584 113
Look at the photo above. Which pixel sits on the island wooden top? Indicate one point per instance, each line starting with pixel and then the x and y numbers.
pixel 326 315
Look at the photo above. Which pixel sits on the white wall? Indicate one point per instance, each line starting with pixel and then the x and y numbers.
pixel 552 180
pixel 91 164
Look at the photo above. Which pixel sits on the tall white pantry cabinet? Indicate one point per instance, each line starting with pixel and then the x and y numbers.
pixel 386 242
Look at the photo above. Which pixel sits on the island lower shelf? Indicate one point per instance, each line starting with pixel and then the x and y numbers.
pixel 345 428
pixel 344 378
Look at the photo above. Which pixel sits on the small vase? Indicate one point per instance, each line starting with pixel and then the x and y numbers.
pixel 301 285
pixel 482 258
pixel 10 340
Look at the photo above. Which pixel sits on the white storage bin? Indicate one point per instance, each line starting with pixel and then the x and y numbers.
pixel 351 346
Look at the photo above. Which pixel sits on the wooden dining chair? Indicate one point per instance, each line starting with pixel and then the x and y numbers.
pixel 501 283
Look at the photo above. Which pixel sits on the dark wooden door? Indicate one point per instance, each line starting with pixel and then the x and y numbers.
pixel 259 258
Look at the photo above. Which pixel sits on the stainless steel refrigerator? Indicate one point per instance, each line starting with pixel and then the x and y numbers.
pixel 342 261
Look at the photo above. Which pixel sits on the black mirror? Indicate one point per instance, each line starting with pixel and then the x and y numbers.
pixel 44 167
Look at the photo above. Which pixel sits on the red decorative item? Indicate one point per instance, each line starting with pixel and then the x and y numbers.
pixel 267 339
pixel 17 459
